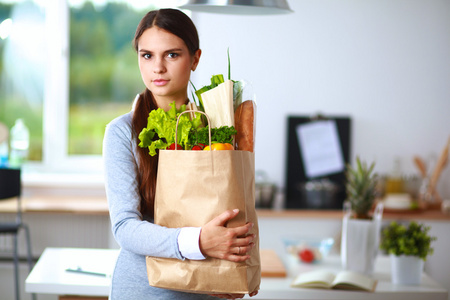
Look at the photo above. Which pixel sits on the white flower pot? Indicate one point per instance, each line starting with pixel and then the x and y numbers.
pixel 406 269
pixel 360 242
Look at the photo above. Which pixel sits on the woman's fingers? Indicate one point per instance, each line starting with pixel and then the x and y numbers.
pixel 237 258
pixel 224 217
pixel 242 230
pixel 243 245
pixel 239 253
pixel 242 250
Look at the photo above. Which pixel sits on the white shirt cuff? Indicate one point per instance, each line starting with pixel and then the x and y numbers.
pixel 188 243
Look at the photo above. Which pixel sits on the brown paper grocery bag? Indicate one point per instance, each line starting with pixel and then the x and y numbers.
pixel 192 188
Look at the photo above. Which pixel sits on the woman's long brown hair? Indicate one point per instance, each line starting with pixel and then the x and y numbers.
pixel 177 23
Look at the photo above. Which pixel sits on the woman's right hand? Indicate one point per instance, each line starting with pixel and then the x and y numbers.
pixel 231 244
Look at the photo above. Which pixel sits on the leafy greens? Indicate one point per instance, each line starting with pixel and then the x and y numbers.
pixel 223 134
pixel 160 130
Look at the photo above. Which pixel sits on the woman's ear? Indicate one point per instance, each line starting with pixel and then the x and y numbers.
pixel 196 59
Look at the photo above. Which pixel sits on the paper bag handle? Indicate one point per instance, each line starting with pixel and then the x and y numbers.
pixel 194 111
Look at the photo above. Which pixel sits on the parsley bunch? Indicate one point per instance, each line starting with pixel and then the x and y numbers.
pixel 223 134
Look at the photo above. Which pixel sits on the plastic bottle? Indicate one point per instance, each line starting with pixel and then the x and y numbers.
pixel 4 149
pixel 4 154
pixel 20 142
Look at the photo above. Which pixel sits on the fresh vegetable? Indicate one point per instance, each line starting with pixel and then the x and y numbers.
pixel 219 146
pixel 221 98
pixel 197 147
pixel 172 147
pixel 238 86
pixel 160 130
pixel 222 134
pixel 306 255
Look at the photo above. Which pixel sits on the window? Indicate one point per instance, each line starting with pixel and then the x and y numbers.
pixel 103 72
pixel 67 67
pixel 22 71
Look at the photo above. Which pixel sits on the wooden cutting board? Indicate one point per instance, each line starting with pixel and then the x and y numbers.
pixel 271 264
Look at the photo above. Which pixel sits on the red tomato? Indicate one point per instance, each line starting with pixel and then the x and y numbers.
pixel 306 255
pixel 172 147
pixel 197 147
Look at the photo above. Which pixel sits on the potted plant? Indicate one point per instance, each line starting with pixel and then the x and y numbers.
pixel 408 247
pixel 360 228
pixel 361 188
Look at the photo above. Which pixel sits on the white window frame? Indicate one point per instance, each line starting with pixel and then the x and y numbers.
pixel 56 98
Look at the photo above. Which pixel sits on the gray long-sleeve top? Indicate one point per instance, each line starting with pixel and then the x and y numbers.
pixel 122 191
pixel 136 234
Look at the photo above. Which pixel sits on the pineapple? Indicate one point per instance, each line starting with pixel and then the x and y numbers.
pixel 361 188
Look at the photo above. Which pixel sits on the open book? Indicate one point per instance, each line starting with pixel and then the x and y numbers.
pixel 345 280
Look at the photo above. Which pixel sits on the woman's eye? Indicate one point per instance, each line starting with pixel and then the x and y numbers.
pixel 146 56
pixel 173 55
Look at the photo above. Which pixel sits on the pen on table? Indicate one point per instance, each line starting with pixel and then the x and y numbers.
pixel 80 270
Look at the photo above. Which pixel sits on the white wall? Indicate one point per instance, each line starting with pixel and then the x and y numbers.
pixel 385 63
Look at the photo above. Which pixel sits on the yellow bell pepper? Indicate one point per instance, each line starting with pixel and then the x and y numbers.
pixel 220 146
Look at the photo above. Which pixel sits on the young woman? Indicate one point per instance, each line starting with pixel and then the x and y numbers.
pixel 168 50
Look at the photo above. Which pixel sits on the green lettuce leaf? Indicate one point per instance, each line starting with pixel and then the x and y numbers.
pixel 160 130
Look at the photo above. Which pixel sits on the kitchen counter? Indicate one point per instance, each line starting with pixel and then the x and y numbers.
pixel 98 206
pixel 337 214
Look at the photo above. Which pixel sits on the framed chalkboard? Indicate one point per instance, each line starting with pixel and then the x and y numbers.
pixel 307 187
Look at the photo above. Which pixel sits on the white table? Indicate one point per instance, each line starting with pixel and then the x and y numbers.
pixel 49 276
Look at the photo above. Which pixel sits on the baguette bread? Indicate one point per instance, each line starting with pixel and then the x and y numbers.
pixel 244 119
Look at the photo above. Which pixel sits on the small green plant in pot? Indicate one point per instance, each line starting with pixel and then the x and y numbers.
pixel 398 239
pixel 409 246
pixel 361 188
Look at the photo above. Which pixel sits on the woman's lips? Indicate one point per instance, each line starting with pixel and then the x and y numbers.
pixel 160 82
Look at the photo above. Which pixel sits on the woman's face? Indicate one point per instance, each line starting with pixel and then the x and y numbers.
pixel 165 64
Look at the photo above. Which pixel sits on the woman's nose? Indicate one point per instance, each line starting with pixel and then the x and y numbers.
pixel 159 66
